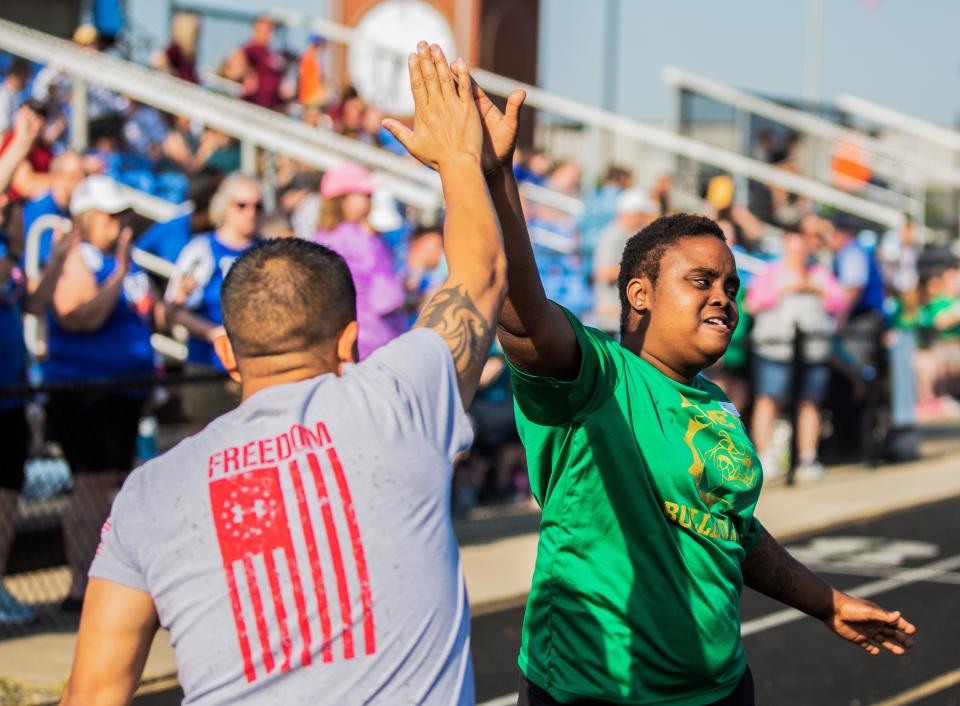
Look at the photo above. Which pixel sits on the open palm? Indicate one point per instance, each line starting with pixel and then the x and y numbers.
pixel 499 127
pixel 871 627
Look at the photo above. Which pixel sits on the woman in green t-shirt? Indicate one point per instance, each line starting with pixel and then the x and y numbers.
pixel 645 476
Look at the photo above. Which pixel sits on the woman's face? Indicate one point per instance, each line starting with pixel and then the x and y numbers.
pixel 356 207
pixel 244 211
pixel 691 310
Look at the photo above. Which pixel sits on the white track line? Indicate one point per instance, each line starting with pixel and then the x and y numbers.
pixel 865 590
pixel 929 688
pixel 508 700
pixel 930 572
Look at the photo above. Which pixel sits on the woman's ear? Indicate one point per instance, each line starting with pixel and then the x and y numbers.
pixel 638 295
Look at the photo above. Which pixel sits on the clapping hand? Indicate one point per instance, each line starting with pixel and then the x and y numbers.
pixel 446 124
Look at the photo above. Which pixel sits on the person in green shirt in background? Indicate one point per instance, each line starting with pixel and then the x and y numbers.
pixel 645 476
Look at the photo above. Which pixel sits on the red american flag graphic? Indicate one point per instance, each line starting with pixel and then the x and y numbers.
pixel 289 533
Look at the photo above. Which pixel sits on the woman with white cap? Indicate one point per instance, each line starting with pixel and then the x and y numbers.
pixel 344 228
pixel 99 328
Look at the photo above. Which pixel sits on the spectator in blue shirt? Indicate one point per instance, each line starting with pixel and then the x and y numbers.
pixel 100 328
pixel 193 294
pixel 66 172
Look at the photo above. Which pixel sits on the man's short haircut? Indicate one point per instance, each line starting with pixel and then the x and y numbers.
pixel 286 296
pixel 645 249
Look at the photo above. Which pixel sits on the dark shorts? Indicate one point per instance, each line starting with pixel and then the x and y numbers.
pixel 96 430
pixel 772 378
pixel 14 442
pixel 533 695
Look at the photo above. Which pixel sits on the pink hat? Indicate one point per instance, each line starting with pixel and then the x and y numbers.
pixel 347 178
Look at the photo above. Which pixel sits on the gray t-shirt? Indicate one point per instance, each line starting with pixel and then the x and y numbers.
pixel 300 550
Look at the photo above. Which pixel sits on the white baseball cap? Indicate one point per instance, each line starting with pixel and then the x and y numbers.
pixel 98 193
pixel 635 201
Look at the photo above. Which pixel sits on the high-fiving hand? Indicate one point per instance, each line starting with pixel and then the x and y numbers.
pixel 446 124
pixel 499 128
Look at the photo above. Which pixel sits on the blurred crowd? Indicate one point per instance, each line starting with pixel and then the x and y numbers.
pixel 853 331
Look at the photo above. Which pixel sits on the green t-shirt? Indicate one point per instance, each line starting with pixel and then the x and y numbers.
pixel 935 306
pixel 648 488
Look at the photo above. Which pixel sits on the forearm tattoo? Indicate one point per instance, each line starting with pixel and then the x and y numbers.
pixel 452 313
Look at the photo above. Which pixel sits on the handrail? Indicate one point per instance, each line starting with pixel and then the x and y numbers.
pixel 923 129
pixel 696 150
pixel 249 123
pixel 920 168
pixel 656 137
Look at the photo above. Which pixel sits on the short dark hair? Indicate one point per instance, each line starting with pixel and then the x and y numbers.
pixel 646 248
pixel 286 295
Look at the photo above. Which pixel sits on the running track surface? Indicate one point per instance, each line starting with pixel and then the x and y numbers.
pixel 908 561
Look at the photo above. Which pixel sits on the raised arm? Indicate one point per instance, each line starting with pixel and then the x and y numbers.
pixel 447 137
pixel 534 333
pixel 771 570
pixel 26 127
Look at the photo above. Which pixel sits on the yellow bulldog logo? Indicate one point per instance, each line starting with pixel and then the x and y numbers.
pixel 732 461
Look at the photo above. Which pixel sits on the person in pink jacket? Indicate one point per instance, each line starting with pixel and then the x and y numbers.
pixel 344 228
pixel 792 294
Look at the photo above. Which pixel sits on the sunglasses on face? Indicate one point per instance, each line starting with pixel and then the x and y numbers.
pixel 244 205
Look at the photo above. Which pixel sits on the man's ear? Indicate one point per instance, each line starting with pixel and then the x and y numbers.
pixel 346 348
pixel 224 351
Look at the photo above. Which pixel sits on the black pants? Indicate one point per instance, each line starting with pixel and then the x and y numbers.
pixel 533 695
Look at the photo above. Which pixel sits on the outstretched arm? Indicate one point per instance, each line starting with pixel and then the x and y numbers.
pixel 771 570
pixel 534 333
pixel 447 137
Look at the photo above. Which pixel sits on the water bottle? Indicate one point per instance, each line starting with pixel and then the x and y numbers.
pixel 146 439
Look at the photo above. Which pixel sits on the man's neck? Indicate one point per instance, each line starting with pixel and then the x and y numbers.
pixel 260 373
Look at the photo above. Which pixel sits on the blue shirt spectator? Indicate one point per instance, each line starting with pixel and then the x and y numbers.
pixel 66 172
pixel 13 358
pixel 166 239
pixel 121 346
pixel 858 269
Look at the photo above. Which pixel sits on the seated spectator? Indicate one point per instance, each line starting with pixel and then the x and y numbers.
pixel 312 90
pixel 15 80
pixel 634 210
pixel 792 295
pixel 600 208
pixel 145 132
pixel 236 210
pixel 263 68
pixel 99 329
pixel 14 299
pixel 343 227
pixel 179 57
pixel 66 173
pixel 351 118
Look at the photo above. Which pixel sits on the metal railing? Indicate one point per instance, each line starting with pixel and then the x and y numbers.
pixel 895 120
pixel 900 164
pixel 252 125
pixel 596 119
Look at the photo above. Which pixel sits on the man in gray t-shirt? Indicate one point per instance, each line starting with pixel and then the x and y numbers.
pixel 299 549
